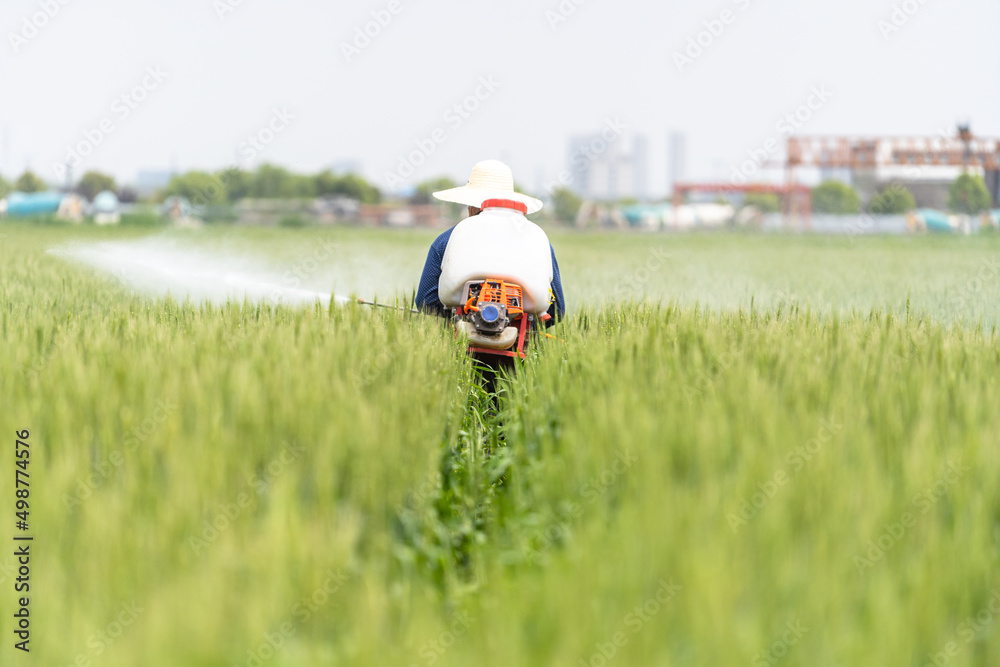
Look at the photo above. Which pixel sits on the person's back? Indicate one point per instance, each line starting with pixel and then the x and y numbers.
pixel 498 243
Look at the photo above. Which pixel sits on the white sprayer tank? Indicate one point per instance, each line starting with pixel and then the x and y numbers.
pixel 498 243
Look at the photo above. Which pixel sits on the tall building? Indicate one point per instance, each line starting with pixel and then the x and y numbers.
pixel 605 166
pixel 149 181
pixel 346 166
pixel 676 158
pixel 640 166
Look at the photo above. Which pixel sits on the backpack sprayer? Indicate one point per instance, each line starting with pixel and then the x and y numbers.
pixel 492 318
pixel 495 275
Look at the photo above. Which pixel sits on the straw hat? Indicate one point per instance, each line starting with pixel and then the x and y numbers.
pixel 490 179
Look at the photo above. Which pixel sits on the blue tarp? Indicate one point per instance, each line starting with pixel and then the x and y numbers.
pixel 33 203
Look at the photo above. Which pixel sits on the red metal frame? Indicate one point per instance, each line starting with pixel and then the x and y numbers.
pixel 518 351
pixel 963 149
pixel 507 294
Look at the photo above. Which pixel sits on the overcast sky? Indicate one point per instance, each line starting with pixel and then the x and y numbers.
pixel 226 70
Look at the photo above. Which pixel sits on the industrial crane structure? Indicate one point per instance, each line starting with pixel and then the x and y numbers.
pixel 866 158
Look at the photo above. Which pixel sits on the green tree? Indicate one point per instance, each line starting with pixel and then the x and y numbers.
pixel 198 187
pixel 424 190
pixel 238 183
pixel 93 182
pixel 5 187
pixel 274 182
pixel 835 197
pixel 566 204
pixel 765 202
pixel 968 194
pixel 893 199
pixel 349 185
pixel 29 182
pixel 326 183
pixel 268 182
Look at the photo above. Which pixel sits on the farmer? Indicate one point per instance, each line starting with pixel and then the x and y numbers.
pixel 496 218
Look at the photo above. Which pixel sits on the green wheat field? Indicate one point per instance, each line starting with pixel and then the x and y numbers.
pixel 739 450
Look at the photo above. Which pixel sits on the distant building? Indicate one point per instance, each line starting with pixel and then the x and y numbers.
pixel 926 165
pixel 676 159
pixel 148 181
pixel 929 185
pixel 640 166
pixel 605 166
pixel 349 166
pixel 405 215
pixel 841 174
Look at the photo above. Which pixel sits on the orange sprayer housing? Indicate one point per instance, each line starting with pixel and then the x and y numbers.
pixel 498 292
pixel 492 290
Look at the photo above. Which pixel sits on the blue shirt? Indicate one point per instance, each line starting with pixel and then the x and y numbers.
pixel 427 292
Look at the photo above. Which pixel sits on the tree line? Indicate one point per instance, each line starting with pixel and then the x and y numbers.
pixel 967 194
pixel 220 187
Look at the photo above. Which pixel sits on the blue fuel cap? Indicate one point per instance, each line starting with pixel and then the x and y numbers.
pixel 489 313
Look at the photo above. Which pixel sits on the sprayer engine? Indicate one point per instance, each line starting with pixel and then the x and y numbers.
pixel 492 317
pixel 490 303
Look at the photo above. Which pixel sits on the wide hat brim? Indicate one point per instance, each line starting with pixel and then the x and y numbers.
pixel 470 196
